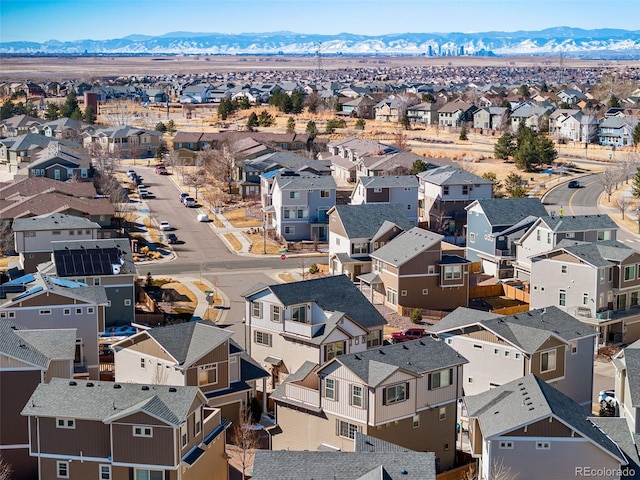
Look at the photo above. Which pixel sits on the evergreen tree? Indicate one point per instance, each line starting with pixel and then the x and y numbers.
pixel 427 97
pixel 360 124
pixel 161 127
pixel 6 111
pixel 297 101
pixel 505 147
pixel 89 115
pixel 70 106
pixel 614 102
pixel 161 151
pixel 635 184
pixel 312 129
pixel 514 186
pixel 463 133
pixel 171 126
pixel 243 103
pixel 52 112
pixel 265 119
pixel 291 125
pixel 497 185
pixel 524 91
pixel 405 122
pixel 636 135
pixel 418 166
pixel 252 122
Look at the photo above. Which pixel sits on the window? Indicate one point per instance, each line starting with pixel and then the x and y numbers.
pixel 517 356
pixel 140 431
pixel 290 230
pixel 538 234
pixel 395 394
pixel 543 446
pixel 496 351
pixel 347 430
pixel 574 348
pixel 416 420
pixel 465 189
pixel 256 309
pixel 294 194
pixel 207 374
pixel 504 445
pixel 610 274
pixel 585 299
pixel 562 299
pixel 105 472
pixel 604 235
pixel 276 313
pixel 445 190
pixel 549 238
pixel 452 272
pixel 408 206
pixel 602 275
pixel 373 338
pixel 299 313
pixel 357 393
pixel 184 435
pixel 66 311
pixel 65 423
pixel 358 248
pixel 563 269
pixel 547 361
pixel 262 338
pixel 62 469
pixel 629 273
pixel 442 413
pixel 440 379
pixel 142 364
pixel 392 296
pixel 431 269
pixel 90 310
pixel 635 299
pixel 146 474
pixel 55 232
pixel 332 350
pixel 45 312
pixel 472 237
pixel 78 311
pixel 507 354
pixel 96 281
pixel 324 193
pixel 197 421
pixel 330 388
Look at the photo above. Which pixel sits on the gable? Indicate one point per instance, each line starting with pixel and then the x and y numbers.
pixel 48 299
pixel 140 418
pixel 485 336
pixel 547 427
pixel 150 347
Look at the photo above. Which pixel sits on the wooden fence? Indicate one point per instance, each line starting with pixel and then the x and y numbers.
pixel 475 267
pixel 511 310
pixel 461 473
pixel 516 294
pixel 482 291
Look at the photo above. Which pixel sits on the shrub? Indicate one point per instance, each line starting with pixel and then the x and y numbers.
pixel 416 316
pixel 313 269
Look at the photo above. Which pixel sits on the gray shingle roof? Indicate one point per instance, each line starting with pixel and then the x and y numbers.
pixel 363 221
pixel 450 175
pixel 306 182
pixel 390 181
pixel 417 356
pixel 527 400
pixel 367 443
pixel 618 430
pixel 291 465
pixel 632 362
pixel 509 211
pixel 406 246
pixel 600 254
pixel 12 344
pixel 52 221
pixel 336 294
pixel 103 401
pixel 527 330
pixel 57 344
pixel 579 223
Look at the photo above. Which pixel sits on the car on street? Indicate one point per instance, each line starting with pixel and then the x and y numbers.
pixel 164 226
pixel 189 202
pixel 574 184
pixel 183 196
pixel 142 193
pixel 607 397
pixel 408 334
pixel 161 170
pixel 172 238
pixel 203 217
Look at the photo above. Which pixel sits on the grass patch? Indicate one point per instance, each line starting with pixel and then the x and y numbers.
pixel 217 300
pixel 257 245
pixel 235 243
pixel 4 262
pixel 217 223
pixel 286 277
pixel 238 218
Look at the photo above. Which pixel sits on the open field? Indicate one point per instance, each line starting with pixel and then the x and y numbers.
pixel 90 68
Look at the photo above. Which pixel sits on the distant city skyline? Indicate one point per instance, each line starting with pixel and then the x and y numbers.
pixel 68 20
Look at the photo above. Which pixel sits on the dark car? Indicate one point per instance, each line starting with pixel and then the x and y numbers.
pixel 172 238
pixel 183 196
pixel 574 184
pixel 408 334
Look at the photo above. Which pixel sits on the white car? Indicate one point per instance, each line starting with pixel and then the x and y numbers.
pixel 164 225
pixel 189 202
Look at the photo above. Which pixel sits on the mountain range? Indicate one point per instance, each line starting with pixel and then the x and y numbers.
pixel 573 42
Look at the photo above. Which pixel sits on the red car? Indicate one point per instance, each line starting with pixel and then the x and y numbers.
pixel 161 170
pixel 408 334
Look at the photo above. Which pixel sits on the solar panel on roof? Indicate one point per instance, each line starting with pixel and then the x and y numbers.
pixel 62 282
pixel 91 261
pixel 21 280
pixel 29 292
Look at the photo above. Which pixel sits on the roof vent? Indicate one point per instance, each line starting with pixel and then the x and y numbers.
pixel 72 383
pixel 381 352
pixel 117 385
pixel 403 471
pixel 145 387
pixel 89 384
pixel 172 389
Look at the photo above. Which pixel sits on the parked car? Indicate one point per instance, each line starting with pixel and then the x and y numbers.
pixel 161 170
pixel 607 397
pixel 574 184
pixel 164 226
pixel 142 193
pixel 189 202
pixel 172 238
pixel 183 196
pixel 203 217
pixel 131 173
pixel 408 334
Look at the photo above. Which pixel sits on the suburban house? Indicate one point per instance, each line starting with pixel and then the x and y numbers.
pixel 17 152
pixel 360 107
pixel 61 163
pixel 527 427
pixel 547 342
pixel 456 113
pixel 548 231
pixel 493 226
pixel 617 131
pixel 357 230
pixel 406 394
pixel 627 365
pixel 27 358
pixel 23 189
pixel 82 429
pixel 412 271
pixel 312 320
pixel 300 205
pixel 491 118
pixel 402 190
pixel 62 128
pixel 106 262
pixel 443 194
pixel 532 116
pixel 196 354
pixel 38 301
pixel 124 140
pixel 425 113
pixel 33 236
pixel 18 125
pixel 598 283
pixel 398 163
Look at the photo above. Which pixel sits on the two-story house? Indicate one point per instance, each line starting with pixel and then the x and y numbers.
pixel 491 118
pixel 627 385
pixel 124 140
pixel 357 230
pixel 412 271
pixel 456 113
pixel 405 394
pixel 300 205
pixel 598 283
pixel 39 301
pixel 528 428
pixel 61 163
pixel 33 236
pixel 312 320
pixel 617 131
pixel 493 226
pixel 82 429
pixel 547 342
pixel 443 194
pixel 548 231
pixel 425 113
pixel 196 354
pixel 402 190
pixel 27 358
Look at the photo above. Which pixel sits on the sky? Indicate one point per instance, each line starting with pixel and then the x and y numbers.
pixel 66 20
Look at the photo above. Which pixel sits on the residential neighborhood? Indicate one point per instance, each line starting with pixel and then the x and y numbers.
pixel 375 273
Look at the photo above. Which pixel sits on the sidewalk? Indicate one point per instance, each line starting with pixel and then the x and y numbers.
pixel 203 310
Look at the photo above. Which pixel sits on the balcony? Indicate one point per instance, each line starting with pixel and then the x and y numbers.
pixel 505 254
pixel 303 395
pixel 304 329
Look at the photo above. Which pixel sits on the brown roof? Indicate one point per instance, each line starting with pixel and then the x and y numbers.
pixel 56 202
pixel 191 137
pixel 29 187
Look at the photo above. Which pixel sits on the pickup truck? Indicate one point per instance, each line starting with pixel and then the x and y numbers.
pixel 408 334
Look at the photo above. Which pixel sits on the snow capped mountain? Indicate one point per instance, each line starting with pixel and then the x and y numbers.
pixel 574 42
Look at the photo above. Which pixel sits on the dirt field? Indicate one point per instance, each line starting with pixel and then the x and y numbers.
pixel 91 68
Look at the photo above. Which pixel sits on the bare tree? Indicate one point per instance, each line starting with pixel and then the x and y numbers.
pixel 196 180
pixel 499 471
pixel 623 203
pixel 247 439
pixel 224 163
pixel 5 470
pixel 119 112
pixel 608 179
